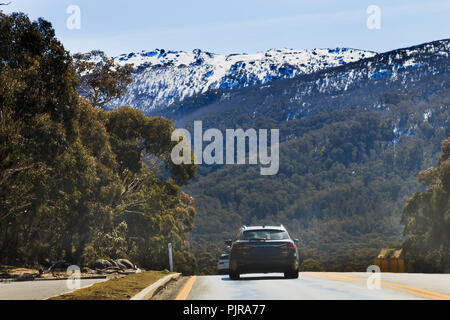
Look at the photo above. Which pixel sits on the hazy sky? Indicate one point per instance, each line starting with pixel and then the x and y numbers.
pixel 237 26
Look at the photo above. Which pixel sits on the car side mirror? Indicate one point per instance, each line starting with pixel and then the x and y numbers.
pixel 228 242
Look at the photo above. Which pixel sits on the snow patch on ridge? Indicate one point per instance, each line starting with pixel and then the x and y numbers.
pixel 163 77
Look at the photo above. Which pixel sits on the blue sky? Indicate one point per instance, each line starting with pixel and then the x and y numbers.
pixel 238 26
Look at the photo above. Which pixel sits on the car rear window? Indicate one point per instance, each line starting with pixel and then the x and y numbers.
pixel 265 234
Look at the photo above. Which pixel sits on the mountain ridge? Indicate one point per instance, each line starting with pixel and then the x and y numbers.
pixel 309 93
pixel 163 78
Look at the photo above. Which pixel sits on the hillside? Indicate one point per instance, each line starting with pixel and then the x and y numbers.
pixel 364 84
pixel 354 139
pixel 356 127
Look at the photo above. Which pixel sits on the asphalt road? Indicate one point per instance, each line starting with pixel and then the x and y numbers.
pixel 309 286
pixel 38 290
pixel 322 286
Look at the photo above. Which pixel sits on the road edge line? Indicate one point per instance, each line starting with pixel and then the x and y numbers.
pixel 184 292
pixel 148 292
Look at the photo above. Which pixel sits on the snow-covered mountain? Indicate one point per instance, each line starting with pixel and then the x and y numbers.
pixel 162 78
pixel 422 70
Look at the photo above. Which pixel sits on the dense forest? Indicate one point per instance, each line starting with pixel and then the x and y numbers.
pixel 79 183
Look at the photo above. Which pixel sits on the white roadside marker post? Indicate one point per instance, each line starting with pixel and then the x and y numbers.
pixel 170 257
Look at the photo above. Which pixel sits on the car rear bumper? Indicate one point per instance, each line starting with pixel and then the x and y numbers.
pixel 263 266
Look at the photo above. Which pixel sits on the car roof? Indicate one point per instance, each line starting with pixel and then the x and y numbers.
pixel 247 228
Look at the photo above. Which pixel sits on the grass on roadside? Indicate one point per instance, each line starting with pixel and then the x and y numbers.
pixel 115 289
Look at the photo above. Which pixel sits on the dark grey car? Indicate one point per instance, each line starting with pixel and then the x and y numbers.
pixel 263 249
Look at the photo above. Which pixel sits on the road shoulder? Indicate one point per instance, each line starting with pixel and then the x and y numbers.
pixel 123 288
pixel 171 290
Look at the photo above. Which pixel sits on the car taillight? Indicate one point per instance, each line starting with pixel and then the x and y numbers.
pixel 290 245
